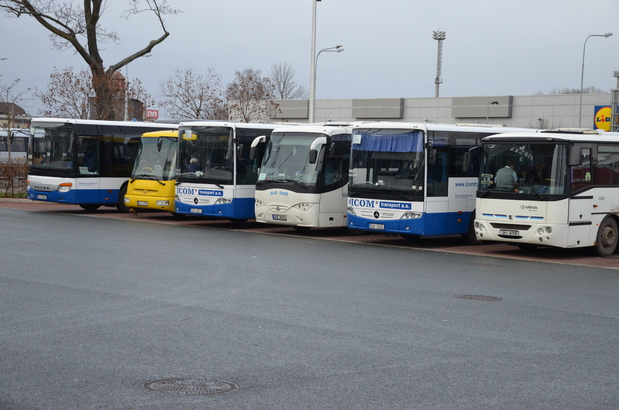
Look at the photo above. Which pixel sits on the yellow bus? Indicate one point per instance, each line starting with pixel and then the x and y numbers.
pixel 152 182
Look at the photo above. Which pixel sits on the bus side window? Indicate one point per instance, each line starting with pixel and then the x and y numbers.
pixel 581 174
pixel 607 165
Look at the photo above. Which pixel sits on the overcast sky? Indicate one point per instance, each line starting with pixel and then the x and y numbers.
pixel 492 47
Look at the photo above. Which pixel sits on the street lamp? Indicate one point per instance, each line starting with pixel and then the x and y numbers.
pixel 313 64
pixel 488 109
pixel 582 72
pixel 335 49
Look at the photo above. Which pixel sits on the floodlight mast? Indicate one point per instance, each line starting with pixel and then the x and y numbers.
pixel 440 36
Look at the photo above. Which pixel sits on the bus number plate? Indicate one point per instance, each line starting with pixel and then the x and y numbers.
pixel 509 232
pixel 279 217
pixel 41 196
pixel 195 210
pixel 142 203
pixel 378 227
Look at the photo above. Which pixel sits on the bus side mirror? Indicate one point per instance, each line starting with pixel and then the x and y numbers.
pixel 254 146
pixel 466 161
pixel 313 154
pixel 432 156
pixel 575 156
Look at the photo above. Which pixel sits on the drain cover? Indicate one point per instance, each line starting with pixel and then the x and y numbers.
pixel 190 386
pixel 479 298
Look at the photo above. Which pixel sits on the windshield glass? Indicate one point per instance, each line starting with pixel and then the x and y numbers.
pixel 206 155
pixel 388 161
pixel 286 159
pixel 156 159
pixel 524 168
pixel 52 148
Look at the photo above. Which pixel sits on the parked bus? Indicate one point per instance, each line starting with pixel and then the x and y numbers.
pixel 303 180
pixel 553 189
pixel 215 176
pixel 415 179
pixel 152 182
pixel 84 162
pixel 19 142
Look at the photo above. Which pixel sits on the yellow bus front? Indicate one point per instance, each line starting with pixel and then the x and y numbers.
pixel 153 180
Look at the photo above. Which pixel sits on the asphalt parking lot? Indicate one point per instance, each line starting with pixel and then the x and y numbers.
pixel 452 244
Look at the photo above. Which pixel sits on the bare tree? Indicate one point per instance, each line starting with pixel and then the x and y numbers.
pixel 12 96
pixel 196 96
pixel 72 27
pixel 566 90
pixel 70 95
pixel 250 97
pixel 285 87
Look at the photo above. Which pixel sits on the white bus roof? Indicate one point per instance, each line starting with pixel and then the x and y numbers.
pixel 104 122
pixel 439 127
pixel 557 136
pixel 326 128
pixel 231 124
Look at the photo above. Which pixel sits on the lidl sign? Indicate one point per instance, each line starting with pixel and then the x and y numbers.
pixel 602 118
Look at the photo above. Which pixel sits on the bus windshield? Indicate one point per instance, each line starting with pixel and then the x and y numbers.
pixel 51 150
pixel 524 168
pixel 206 155
pixel 156 159
pixel 286 159
pixel 388 161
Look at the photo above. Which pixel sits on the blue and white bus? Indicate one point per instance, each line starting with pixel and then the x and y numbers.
pixel 415 179
pixel 84 162
pixel 215 175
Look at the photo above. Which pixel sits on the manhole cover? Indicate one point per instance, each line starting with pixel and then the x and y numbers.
pixel 481 298
pixel 190 386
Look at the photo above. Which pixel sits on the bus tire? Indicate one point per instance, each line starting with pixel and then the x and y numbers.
pixel 607 237
pixel 121 200
pixel 89 207
pixel 470 238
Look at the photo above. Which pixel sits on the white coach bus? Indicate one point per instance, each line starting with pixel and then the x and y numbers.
pixel 564 192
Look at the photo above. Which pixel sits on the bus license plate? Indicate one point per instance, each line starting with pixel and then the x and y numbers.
pixel 142 203
pixel 509 232
pixel 378 227
pixel 195 210
pixel 41 196
pixel 279 217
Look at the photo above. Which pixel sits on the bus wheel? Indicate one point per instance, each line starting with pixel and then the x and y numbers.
pixel 90 207
pixel 121 200
pixel 470 238
pixel 606 241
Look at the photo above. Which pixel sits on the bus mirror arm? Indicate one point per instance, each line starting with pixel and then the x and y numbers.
pixel 313 154
pixel 254 145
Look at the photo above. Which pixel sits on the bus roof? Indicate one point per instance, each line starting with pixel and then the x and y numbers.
pixel 553 136
pixel 231 124
pixel 104 122
pixel 326 128
pixel 439 127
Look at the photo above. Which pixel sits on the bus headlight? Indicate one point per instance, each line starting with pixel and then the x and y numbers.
pixel 127 200
pixel 161 203
pixel 548 230
pixel 222 201
pixel 260 203
pixel 303 206
pixel 65 187
pixel 411 215
pixel 351 211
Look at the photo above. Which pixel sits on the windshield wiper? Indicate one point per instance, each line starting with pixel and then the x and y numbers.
pixel 533 189
pixel 145 176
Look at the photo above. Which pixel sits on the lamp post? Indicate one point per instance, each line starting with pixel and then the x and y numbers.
pixel 582 72
pixel 488 109
pixel 335 49
pixel 313 64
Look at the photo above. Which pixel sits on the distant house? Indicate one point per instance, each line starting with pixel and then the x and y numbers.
pixel 15 114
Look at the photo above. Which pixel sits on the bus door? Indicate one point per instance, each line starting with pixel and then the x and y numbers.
pixel 581 226
pixel 88 178
pixel 437 200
